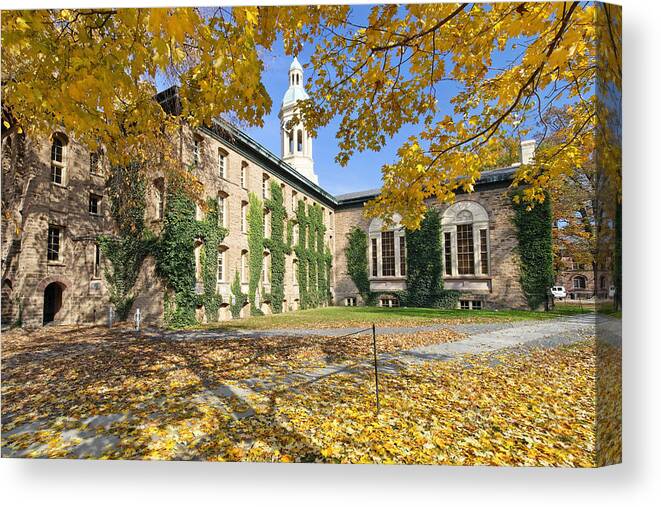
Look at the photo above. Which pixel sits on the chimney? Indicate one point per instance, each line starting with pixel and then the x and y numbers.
pixel 528 151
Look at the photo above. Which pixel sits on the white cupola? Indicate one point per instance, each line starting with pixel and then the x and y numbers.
pixel 295 141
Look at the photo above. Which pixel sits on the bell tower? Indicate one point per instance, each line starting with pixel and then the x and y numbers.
pixel 295 142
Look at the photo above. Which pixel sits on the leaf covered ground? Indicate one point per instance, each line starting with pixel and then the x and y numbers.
pixel 361 316
pixel 112 395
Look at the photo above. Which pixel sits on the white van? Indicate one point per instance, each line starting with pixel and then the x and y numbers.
pixel 559 292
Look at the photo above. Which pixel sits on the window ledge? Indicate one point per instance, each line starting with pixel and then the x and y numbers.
pixel 56 264
pixel 386 278
pixel 467 277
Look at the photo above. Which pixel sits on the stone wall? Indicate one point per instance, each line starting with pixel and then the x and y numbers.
pixel 502 286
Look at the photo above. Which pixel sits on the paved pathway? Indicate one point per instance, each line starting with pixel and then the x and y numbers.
pixel 482 338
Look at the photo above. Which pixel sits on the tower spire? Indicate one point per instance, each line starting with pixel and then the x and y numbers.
pixel 296 144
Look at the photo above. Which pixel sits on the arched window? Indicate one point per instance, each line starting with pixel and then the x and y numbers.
pixel 465 227
pixel 57 159
pixel 580 282
pixel 290 142
pixel 299 141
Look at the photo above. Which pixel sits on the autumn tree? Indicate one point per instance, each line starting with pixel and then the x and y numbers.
pixel 466 76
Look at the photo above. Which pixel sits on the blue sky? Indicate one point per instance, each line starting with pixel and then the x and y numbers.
pixel 364 169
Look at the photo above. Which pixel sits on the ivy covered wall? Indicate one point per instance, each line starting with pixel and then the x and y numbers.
pixel 314 259
pixel 126 251
pixel 255 249
pixel 175 259
pixel 278 245
pixel 534 233
pixel 424 272
pixel 357 262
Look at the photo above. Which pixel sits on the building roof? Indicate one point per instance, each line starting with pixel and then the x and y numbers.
pixel 296 65
pixel 294 93
pixel 494 176
pixel 257 152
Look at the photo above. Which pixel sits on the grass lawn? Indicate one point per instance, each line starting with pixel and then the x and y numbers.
pixel 358 316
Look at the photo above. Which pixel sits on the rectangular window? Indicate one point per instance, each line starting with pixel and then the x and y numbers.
pixel 244 270
pixel 221 266
pixel 465 252
pixel 476 305
pixel 97 260
pixel 222 163
pixel 243 176
pixel 402 255
pixel 484 252
pixel 388 253
pixel 95 204
pixel 265 186
pixel 95 162
pixel 160 204
pixel 464 305
pixel 447 248
pixel 266 270
pixel 375 267
pixel 294 202
pixel 221 210
pixel 54 242
pixel 244 217
pixel 350 302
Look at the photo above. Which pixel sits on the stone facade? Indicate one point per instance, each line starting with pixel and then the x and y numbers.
pixel 32 204
pixel 499 287
pixel 55 205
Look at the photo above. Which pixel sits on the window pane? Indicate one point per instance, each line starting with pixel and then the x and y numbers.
pixel 53 243
pixel 465 253
pixel 374 258
pixel 56 151
pixel 484 254
pixel 448 253
pixel 56 174
pixel 402 255
pixel 388 253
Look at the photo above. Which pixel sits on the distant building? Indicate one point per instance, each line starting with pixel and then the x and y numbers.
pixel 580 280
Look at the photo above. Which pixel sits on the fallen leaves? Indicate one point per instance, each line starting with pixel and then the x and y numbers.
pixel 109 394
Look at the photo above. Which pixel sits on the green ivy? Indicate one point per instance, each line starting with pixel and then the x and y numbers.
pixel 534 231
pixel 255 249
pixel 278 246
pixel 175 260
pixel 314 259
pixel 126 252
pixel 357 262
pixel 239 298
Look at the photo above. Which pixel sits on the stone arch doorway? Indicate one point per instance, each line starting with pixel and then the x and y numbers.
pixel 53 296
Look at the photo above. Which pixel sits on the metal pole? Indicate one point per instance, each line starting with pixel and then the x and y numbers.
pixel 376 371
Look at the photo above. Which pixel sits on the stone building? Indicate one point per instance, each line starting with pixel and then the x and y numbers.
pixel 583 281
pixel 55 205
